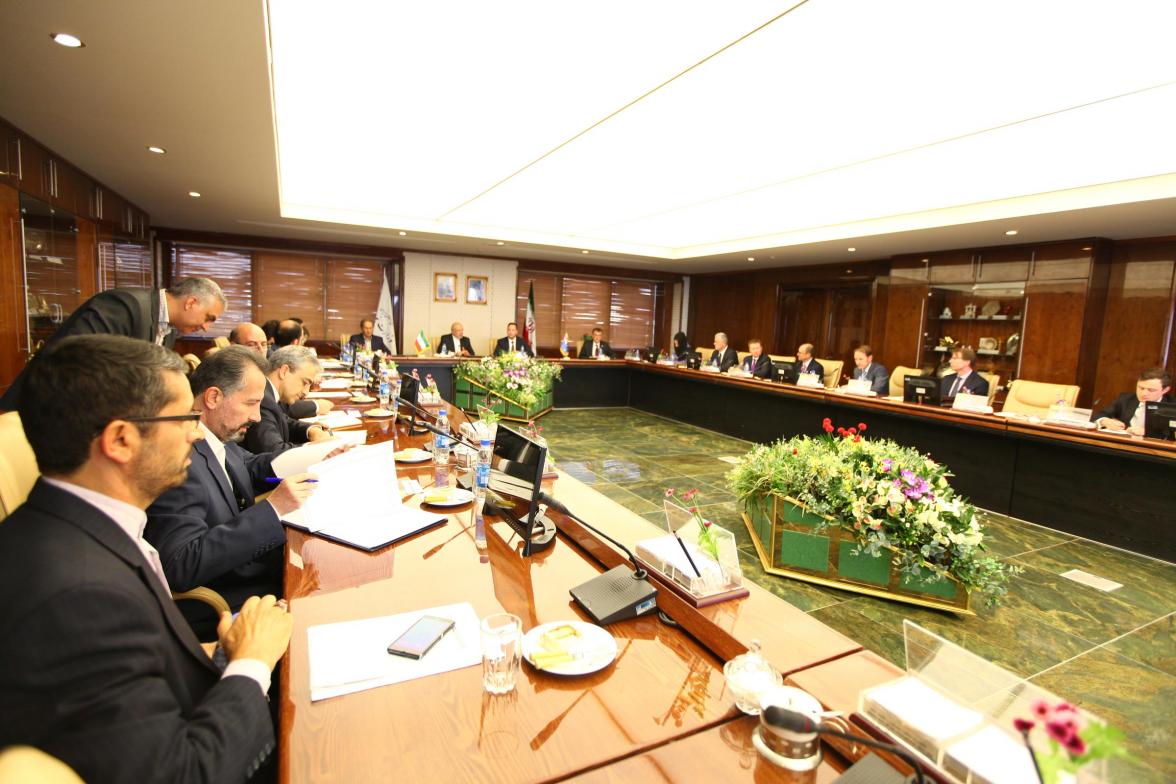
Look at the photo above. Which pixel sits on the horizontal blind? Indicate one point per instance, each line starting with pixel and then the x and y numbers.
pixel 132 266
pixel 231 269
pixel 631 314
pixel 353 294
pixel 547 307
pixel 290 285
pixel 586 303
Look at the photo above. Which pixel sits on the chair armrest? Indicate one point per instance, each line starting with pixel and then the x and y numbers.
pixel 206 595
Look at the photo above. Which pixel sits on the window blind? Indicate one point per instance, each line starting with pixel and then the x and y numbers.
pixel 232 269
pixel 631 313
pixel 353 294
pixel 290 285
pixel 625 308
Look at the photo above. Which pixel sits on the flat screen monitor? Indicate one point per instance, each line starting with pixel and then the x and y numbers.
pixel 785 373
pixel 920 389
pixel 1159 420
pixel 516 470
pixel 410 388
pixel 694 361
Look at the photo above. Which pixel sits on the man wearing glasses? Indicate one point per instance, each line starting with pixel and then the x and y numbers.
pixel 208 530
pixel 98 668
pixel 292 372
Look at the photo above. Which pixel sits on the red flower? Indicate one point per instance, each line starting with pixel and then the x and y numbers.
pixel 852 431
pixel 841 431
pixel 826 422
pixel 1075 745
pixel 828 427
pixel 707 523
pixel 861 427
pixel 856 439
pixel 1059 731
pixel 1023 725
pixel 795 451
pixel 1041 709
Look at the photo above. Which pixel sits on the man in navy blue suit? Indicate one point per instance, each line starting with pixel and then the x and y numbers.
pixel 293 370
pixel 513 343
pixel 757 363
pixel 866 368
pixel 1126 412
pixel 723 357
pixel 209 531
pixel 366 338
pixel 805 362
pixel 963 379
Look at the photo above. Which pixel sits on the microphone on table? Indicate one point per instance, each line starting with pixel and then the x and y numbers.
pixel 617 594
pixel 784 719
pixel 454 435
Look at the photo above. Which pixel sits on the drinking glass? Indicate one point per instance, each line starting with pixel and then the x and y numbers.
pixel 502 635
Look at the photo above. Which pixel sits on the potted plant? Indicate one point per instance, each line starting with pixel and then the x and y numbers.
pixel 865 515
pixel 515 386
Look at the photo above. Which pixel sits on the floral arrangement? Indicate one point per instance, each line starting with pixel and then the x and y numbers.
pixel 948 342
pixel 890 497
pixel 706 538
pixel 534 431
pixel 1073 740
pixel 488 416
pixel 515 377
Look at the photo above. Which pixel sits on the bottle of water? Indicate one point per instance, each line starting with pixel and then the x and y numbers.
pixel 482 469
pixel 385 393
pixel 441 442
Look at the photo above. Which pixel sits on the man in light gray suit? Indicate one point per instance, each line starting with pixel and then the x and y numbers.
pixel 867 368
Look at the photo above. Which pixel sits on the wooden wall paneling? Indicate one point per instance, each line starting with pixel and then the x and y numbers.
pixel 718 304
pixel 880 306
pixel 87 238
pixel 802 316
pixel 849 322
pixel 1051 339
pixel 1139 307
pixel 13 324
pixel 1092 322
pixel 904 324
pixel 9 155
pixel 955 266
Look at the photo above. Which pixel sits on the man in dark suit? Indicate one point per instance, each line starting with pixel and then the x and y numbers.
pixel 963 378
pixel 723 357
pixel 869 370
pixel 293 370
pixel 1127 410
pixel 596 346
pixel 512 343
pixel 757 362
pixel 208 530
pixel 456 343
pixel 805 362
pixel 367 340
pixel 97 667
pixel 153 315
pixel 290 333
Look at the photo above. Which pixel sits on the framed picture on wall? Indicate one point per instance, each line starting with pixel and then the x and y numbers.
pixel 476 289
pixel 445 287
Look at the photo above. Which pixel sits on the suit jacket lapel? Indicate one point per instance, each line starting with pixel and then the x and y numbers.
pixel 242 483
pixel 59 503
pixel 268 400
pixel 202 449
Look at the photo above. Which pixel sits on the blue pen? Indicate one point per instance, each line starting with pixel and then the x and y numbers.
pixel 277 480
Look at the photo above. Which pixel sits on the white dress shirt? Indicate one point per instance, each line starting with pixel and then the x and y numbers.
pixel 218 448
pixel 132 520
pixel 162 328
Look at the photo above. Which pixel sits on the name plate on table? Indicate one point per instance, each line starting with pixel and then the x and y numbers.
pixel 976 404
pixel 859 386
pixel 809 380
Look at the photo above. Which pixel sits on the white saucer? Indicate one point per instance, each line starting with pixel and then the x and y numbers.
pixel 363 399
pixel 378 413
pixel 455 496
pixel 592 639
pixel 412 456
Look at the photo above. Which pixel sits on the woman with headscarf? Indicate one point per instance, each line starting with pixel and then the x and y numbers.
pixel 681 350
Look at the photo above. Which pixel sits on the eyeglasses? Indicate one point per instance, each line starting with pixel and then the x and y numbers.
pixel 192 417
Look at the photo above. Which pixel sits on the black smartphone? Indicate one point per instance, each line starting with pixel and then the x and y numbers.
pixel 420 637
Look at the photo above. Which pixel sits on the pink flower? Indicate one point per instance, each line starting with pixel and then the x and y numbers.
pixel 707 523
pixel 1041 709
pixel 693 510
pixel 669 492
pixel 1075 745
pixel 1059 731
pixel 1023 725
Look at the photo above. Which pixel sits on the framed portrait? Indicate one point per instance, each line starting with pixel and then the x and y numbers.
pixel 445 287
pixel 476 286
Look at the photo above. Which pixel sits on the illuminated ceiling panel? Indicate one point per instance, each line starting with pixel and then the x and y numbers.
pixel 674 129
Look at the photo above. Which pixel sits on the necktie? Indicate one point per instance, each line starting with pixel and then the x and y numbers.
pixel 955 387
pixel 596 350
pixel 512 346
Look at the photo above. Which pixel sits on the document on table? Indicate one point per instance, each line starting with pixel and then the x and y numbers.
pixel 298 459
pixel 353 656
pixel 330 394
pixel 357 501
pixel 334 419
pixel 335 383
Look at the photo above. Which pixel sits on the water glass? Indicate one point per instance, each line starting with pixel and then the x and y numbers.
pixel 502 636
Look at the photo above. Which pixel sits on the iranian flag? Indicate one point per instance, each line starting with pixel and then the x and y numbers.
pixel 422 343
pixel 529 324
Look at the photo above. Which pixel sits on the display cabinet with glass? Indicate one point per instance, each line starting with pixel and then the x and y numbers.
pixel 50 267
pixel 986 316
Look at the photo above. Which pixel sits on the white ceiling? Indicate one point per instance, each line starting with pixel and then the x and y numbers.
pixel 647 132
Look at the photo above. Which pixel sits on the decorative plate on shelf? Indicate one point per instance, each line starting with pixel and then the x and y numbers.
pixel 991 308
pixel 1013 343
pixel 986 344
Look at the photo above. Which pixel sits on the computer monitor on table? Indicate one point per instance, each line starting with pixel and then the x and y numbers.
pixel 516 470
pixel 1159 420
pixel 785 373
pixel 920 389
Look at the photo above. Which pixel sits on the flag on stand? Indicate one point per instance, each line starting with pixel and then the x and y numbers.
pixel 529 324
pixel 563 346
pixel 385 326
pixel 422 343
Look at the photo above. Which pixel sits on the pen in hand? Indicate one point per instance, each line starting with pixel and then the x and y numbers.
pixel 277 480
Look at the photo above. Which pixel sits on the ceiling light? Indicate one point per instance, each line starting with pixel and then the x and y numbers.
pixel 852 250
pixel 584 251
pixel 1011 233
pixel 1087 248
pixel 751 258
pixel 403 233
pixel 156 150
pixel 67 40
pixel 925 260
pixel 500 242
pixel 194 194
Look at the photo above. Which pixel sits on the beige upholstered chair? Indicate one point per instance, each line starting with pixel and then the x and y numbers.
pixel 898 374
pixel 221 342
pixel 742 355
pixel 780 359
pixel 192 361
pixel 993 382
pixel 18 474
pixel 344 337
pixel 25 765
pixel 1035 397
pixel 833 367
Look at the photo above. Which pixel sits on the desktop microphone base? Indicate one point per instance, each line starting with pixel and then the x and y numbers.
pixel 615 596
pixel 542 533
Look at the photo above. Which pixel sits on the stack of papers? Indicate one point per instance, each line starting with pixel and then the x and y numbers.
pixel 335 383
pixel 353 656
pixel 299 459
pixel 334 420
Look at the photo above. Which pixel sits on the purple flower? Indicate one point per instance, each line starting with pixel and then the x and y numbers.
pixel 887 464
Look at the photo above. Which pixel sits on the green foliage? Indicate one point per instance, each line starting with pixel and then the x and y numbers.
pixel 518 378
pixel 888 496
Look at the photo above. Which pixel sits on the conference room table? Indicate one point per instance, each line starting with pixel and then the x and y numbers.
pixel 1114 489
pixel 660 711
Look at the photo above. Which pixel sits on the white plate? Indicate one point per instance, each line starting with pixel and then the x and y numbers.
pixel 363 399
pixel 455 496
pixel 412 456
pixel 378 413
pixel 600 646
pixel 1011 415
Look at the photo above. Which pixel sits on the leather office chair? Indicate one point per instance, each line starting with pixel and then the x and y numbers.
pixel 221 342
pixel 780 359
pixel 742 355
pixel 1034 398
pixel 833 368
pixel 25 764
pixel 898 374
pixel 18 474
pixel 993 382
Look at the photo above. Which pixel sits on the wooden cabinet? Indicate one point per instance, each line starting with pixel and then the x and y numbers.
pixel 9 155
pixel 13 325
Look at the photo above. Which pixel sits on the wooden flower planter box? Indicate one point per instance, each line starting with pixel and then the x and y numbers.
pixel 469 394
pixel 791 543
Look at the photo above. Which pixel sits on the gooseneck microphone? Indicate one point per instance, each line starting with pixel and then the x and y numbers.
pixel 617 594
pixel 782 718
pixel 454 435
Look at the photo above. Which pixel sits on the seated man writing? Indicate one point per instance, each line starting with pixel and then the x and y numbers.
pixel 293 370
pixel 98 668
pixel 1127 412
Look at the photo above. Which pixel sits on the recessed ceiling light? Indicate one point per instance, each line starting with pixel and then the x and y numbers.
pixel 156 150
pixel 849 272
pixel 194 194
pixel 925 260
pixel 1011 233
pixel 67 40
pixel 404 234
pixel 751 258
pixel 500 242
pixel 851 250
pixel 584 251
pixel 1086 248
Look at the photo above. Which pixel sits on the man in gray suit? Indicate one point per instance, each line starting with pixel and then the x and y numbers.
pixel 98 668
pixel 868 369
